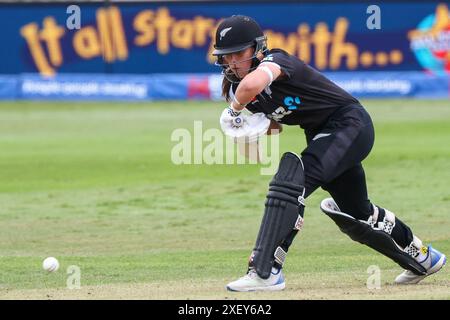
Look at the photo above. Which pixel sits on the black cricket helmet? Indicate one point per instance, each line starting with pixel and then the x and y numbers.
pixel 235 34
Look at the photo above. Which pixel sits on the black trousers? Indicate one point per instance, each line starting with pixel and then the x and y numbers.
pixel 332 160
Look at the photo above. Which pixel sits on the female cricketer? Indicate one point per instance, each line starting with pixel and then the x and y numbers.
pixel 339 134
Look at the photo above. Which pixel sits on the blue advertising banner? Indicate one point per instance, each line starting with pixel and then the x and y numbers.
pixel 111 87
pixel 147 38
pixel 413 84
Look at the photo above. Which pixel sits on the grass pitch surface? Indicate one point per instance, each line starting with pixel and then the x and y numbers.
pixel 93 184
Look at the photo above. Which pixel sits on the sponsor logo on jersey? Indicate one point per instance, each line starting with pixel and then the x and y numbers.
pixel 292 103
pixel 268 58
pixel 279 113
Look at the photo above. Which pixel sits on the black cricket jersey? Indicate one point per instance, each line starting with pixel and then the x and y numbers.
pixel 303 96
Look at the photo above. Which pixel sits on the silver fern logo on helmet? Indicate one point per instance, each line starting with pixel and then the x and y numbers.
pixel 224 32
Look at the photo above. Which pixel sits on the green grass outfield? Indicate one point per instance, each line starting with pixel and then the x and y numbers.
pixel 93 185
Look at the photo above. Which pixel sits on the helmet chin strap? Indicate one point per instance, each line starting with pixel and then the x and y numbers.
pixel 230 75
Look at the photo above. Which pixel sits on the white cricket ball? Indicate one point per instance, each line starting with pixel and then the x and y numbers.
pixel 50 264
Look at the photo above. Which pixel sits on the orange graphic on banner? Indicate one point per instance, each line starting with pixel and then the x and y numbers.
pixel 51 35
pixel 108 40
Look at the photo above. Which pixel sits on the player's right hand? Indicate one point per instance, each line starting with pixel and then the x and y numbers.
pixel 243 127
pixel 231 119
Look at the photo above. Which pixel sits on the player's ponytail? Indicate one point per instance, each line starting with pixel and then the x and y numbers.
pixel 226 86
